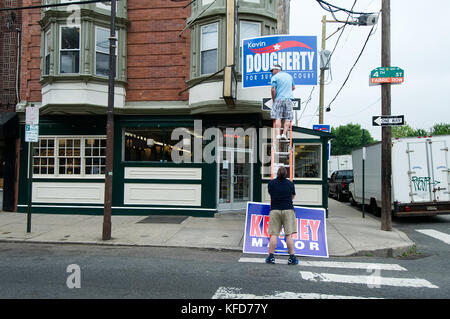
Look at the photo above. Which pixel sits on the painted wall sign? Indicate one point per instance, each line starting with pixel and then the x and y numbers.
pixel 297 55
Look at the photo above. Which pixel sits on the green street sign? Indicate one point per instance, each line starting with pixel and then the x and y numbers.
pixel 387 75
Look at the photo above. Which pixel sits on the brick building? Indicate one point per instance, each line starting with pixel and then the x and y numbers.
pixel 170 77
pixel 10 31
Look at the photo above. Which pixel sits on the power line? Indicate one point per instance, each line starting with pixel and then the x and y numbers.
pixel 351 69
pixel 342 31
pixel 360 111
pixel 54 5
pixel 332 8
pixel 307 101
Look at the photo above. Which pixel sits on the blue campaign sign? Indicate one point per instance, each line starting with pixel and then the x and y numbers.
pixel 322 127
pixel 297 55
pixel 310 240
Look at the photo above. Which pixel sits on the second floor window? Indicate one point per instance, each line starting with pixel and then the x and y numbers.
pixel 209 45
pixel 70 50
pixel 102 51
pixel 47 49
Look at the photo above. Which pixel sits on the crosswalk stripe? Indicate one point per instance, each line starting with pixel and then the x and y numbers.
pixel 369 280
pixel 436 234
pixel 331 264
pixel 235 293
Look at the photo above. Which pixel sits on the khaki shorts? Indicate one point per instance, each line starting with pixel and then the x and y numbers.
pixel 285 218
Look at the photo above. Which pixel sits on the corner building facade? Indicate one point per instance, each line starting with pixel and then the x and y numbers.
pixel 169 93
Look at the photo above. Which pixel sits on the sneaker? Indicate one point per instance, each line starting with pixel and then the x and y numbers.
pixel 270 260
pixel 292 261
pixel 284 137
pixel 279 137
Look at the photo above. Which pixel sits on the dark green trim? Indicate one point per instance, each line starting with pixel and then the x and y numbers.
pixel 117 211
pixel 150 211
pixel 300 182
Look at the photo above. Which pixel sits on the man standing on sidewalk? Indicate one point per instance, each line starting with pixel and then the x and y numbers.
pixel 282 85
pixel 282 192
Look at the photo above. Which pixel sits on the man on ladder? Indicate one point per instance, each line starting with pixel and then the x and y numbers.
pixel 282 85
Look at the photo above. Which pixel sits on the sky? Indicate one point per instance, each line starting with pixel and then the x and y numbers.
pixel 420 45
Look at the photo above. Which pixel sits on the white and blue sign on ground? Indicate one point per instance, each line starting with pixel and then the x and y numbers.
pixel 310 240
pixel 297 55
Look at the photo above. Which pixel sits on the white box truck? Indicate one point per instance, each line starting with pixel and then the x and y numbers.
pixel 339 162
pixel 420 176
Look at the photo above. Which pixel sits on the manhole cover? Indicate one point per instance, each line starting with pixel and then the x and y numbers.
pixel 163 220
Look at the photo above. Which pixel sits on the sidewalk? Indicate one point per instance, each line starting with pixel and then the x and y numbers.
pixel 348 233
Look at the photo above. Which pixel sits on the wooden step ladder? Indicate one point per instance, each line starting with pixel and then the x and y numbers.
pixel 282 152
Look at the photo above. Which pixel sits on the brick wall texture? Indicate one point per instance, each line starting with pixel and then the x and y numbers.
pixel 9 22
pixel 158 58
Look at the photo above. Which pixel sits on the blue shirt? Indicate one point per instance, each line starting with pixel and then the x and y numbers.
pixel 281 191
pixel 283 82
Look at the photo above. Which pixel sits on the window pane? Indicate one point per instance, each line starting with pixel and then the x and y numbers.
pixel 94 160
pixel 144 144
pixel 102 40
pixel 209 37
pixel 48 39
pixel 209 61
pixel 249 30
pixel 307 161
pixel 102 64
pixel 70 62
pixel 47 65
pixel 156 145
pixel 70 38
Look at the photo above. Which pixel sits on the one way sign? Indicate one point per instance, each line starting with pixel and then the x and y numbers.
pixel 267 104
pixel 387 120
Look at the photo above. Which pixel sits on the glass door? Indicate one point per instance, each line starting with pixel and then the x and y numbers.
pixel 235 175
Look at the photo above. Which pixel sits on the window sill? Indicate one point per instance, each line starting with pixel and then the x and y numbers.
pixel 49 79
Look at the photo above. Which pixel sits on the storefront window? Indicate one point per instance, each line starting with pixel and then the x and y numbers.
pixel 307 160
pixel 63 156
pixel 155 145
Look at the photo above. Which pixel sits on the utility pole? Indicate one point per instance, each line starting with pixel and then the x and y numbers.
pixel 110 127
pixel 283 9
pixel 322 70
pixel 386 144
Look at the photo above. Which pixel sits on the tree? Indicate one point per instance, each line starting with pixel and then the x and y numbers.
pixel 402 131
pixel 348 137
pixel 407 131
pixel 440 129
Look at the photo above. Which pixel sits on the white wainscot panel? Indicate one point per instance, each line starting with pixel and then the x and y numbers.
pixel 163 194
pixel 89 193
pixel 163 173
pixel 305 194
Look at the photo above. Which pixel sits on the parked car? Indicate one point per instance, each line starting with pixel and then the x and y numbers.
pixel 338 184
